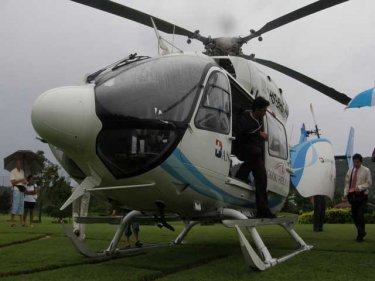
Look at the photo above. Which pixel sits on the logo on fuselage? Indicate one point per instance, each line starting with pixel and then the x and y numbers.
pixel 220 152
pixel 219 149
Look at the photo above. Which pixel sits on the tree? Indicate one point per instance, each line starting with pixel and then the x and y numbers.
pixel 54 190
pixel 5 199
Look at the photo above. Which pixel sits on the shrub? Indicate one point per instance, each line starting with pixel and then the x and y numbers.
pixel 306 217
pixel 334 216
pixel 5 199
pixel 370 218
pixel 338 216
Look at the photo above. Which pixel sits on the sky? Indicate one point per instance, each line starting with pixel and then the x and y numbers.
pixel 52 43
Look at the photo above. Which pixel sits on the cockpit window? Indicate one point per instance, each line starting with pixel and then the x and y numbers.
pixel 277 140
pixel 163 88
pixel 214 112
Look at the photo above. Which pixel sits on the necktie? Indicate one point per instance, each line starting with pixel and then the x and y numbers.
pixel 353 184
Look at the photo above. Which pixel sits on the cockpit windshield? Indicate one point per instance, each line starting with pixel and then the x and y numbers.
pixel 163 88
pixel 144 108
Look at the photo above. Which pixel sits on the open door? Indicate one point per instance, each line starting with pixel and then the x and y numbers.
pixel 276 156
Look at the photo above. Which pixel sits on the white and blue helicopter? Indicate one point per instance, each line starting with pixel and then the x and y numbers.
pixel 157 135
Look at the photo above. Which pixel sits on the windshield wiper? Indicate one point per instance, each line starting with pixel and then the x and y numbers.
pixel 130 59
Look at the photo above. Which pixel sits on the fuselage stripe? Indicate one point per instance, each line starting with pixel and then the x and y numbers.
pixel 179 167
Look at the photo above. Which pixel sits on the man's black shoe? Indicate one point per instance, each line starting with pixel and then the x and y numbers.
pixel 245 180
pixel 138 244
pixel 269 216
pixel 360 237
pixel 266 213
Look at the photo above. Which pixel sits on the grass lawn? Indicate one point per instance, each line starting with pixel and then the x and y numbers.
pixel 212 253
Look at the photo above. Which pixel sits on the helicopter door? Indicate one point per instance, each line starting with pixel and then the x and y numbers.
pixel 211 128
pixel 276 156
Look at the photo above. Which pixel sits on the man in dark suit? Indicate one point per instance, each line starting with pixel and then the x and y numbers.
pixel 251 140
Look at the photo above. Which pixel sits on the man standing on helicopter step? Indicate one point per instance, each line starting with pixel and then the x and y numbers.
pixel 250 141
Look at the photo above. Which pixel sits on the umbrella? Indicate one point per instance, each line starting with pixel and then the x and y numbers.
pixel 366 98
pixel 32 163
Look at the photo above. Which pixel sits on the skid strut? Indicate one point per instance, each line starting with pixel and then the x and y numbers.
pixel 112 249
pixel 262 258
pixel 188 226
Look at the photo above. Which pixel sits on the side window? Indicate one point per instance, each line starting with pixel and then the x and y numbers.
pixel 214 110
pixel 277 140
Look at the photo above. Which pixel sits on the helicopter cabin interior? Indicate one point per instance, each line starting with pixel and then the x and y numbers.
pixel 277 143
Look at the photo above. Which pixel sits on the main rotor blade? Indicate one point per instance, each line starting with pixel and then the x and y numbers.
pixel 140 17
pixel 328 91
pixel 295 15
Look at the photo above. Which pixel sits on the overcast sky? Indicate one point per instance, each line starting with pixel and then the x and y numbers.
pixel 52 43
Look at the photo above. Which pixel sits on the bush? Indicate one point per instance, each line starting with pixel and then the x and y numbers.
pixel 338 216
pixel 370 218
pixel 5 199
pixel 334 216
pixel 306 217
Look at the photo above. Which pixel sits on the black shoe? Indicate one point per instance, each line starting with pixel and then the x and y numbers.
pixel 266 213
pixel 76 232
pixel 360 237
pixel 245 180
pixel 269 216
pixel 138 244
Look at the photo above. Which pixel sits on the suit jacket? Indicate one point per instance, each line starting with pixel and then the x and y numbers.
pixel 248 137
pixel 249 129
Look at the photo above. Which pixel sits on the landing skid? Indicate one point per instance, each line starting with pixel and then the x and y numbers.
pixel 79 244
pixel 257 259
pixel 261 259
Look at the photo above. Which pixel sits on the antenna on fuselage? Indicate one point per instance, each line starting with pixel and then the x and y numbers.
pixel 162 41
pixel 316 131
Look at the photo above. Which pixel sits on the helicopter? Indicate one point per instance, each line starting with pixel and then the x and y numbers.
pixel 157 135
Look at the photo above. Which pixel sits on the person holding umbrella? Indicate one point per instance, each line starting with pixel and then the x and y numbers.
pixel 17 164
pixel 17 179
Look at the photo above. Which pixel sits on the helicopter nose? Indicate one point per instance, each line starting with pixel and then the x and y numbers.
pixel 61 116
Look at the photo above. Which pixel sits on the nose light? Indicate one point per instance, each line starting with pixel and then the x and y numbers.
pixel 59 115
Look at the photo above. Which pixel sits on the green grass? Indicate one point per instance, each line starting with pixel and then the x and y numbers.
pixel 212 253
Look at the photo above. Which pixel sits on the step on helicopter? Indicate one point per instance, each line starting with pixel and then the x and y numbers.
pixel 157 135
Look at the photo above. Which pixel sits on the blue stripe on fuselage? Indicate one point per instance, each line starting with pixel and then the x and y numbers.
pixel 298 158
pixel 179 166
